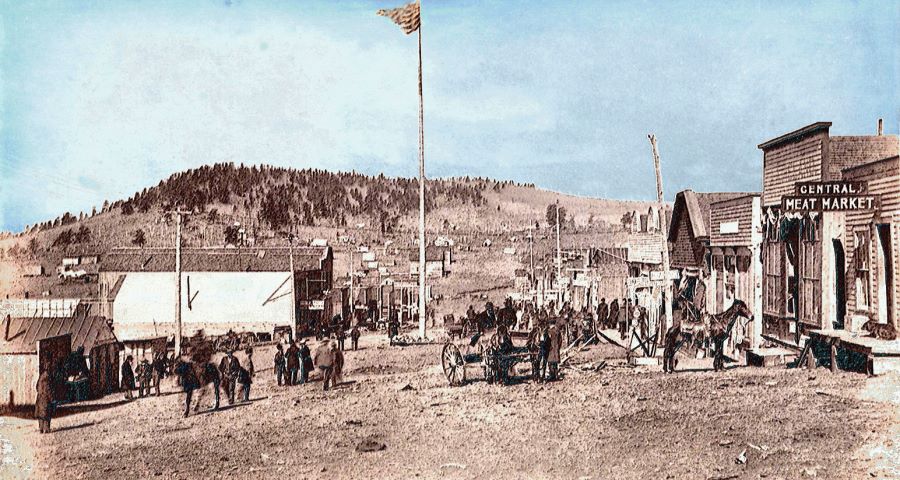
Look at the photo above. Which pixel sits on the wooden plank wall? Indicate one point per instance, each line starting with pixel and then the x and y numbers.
pixel 884 180
pixel 18 379
pixel 784 165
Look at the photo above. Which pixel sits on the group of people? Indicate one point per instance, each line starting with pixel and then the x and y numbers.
pixel 292 367
pixel 545 341
pixel 146 376
pixel 234 375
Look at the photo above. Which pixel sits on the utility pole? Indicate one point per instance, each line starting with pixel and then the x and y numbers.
pixel 178 330
pixel 352 302
pixel 667 284
pixel 531 256
pixel 558 260
pixel 293 283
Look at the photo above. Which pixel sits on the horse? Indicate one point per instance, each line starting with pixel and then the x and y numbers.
pixel 720 326
pixel 486 319
pixel 507 315
pixel 197 376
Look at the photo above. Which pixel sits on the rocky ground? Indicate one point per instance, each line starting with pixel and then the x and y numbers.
pixel 612 422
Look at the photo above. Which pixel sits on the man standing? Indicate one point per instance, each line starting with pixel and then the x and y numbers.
pixel 224 369
pixel 341 335
pixel 279 364
pixel 354 337
pixel 128 377
pixel 306 362
pixel 43 405
pixel 249 367
pixel 554 351
pixel 324 361
pixel 602 314
pixel 293 364
pixel 189 382
pixel 159 370
pixel 234 370
pixel 613 319
pixel 145 376
pixel 245 379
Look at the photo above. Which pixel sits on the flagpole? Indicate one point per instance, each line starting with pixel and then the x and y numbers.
pixel 422 269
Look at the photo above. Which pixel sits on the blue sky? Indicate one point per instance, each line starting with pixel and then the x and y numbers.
pixel 101 99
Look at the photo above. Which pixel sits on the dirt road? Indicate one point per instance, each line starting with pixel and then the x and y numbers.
pixel 618 422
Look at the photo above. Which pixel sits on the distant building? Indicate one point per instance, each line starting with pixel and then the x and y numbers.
pixel 244 290
pixel 437 262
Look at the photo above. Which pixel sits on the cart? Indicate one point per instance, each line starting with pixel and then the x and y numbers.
pixel 492 358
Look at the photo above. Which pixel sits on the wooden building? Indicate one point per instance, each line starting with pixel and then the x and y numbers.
pixel 689 231
pixel 32 344
pixel 872 247
pixel 735 237
pixel 804 253
pixel 437 262
pixel 243 290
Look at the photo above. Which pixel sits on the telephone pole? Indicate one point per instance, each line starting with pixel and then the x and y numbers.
pixel 667 284
pixel 558 259
pixel 293 283
pixel 178 213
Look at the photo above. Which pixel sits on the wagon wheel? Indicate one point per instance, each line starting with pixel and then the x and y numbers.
pixel 453 364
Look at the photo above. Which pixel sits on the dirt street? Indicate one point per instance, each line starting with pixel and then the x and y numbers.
pixel 618 422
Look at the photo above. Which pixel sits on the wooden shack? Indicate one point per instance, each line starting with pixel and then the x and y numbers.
pixel 32 344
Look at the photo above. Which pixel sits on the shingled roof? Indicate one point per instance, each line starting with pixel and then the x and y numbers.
pixel 21 334
pixel 275 259
pixel 697 206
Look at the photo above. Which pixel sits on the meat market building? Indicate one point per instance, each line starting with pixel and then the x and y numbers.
pixel 824 196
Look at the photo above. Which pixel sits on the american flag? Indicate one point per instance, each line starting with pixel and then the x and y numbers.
pixel 406 16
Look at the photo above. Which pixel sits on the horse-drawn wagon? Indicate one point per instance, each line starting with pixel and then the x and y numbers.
pixel 495 358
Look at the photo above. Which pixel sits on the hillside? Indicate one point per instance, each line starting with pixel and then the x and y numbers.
pixel 269 201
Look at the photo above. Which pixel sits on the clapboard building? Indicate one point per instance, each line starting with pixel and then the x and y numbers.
pixel 804 250
pixel 243 290
pixel 872 247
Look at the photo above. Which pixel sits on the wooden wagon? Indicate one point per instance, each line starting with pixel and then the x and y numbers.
pixel 492 358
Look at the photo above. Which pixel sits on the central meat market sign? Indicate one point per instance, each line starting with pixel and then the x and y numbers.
pixel 830 197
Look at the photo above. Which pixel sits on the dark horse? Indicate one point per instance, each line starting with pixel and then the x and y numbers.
pixel 196 376
pixel 720 326
pixel 507 315
pixel 484 320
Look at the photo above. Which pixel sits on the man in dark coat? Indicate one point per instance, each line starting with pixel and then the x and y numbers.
pixel 553 356
pixel 613 317
pixel 189 382
pixel 324 360
pixel 340 335
pixel 292 360
pixel 128 377
pixel 244 379
pixel 306 362
pixel 279 364
pixel 354 337
pixel 249 363
pixel 43 404
pixel 144 377
pixel 602 314
pixel 159 370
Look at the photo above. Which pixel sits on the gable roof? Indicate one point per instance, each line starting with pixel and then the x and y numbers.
pixel 23 333
pixel 275 259
pixel 801 132
pixel 697 206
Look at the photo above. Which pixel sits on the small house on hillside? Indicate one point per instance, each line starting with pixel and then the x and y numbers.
pixel 689 231
pixel 437 262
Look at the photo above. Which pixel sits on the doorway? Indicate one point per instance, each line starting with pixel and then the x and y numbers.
pixel 886 279
pixel 840 284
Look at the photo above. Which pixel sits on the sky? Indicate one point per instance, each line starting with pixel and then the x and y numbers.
pixel 101 99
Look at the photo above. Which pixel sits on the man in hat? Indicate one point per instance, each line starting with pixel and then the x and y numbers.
pixel 128 377
pixel 602 314
pixel 354 337
pixel 43 403
pixel 292 360
pixel 145 377
pixel 324 361
pixel 553 355
pixel 306 362
pixel 159 370
pixel 280 364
